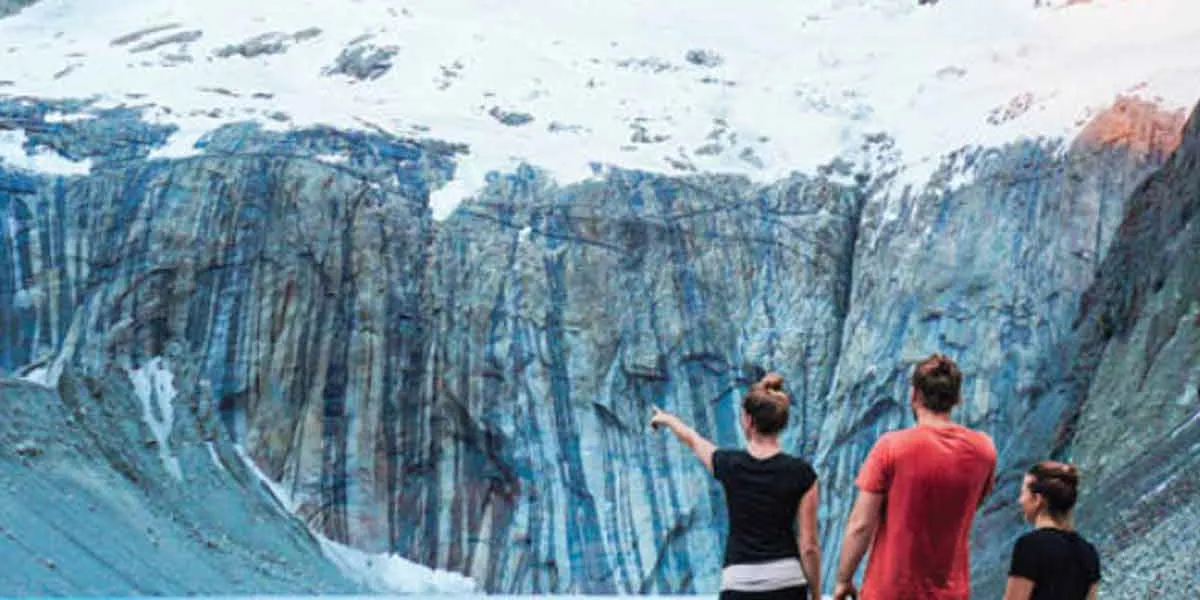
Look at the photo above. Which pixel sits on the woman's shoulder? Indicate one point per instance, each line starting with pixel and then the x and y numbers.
pixel 798 463
pixel 728 455
pixel 1031 537
pixel 1083 549
pixel 1055 538
pixel 1088 548
pixel 730 452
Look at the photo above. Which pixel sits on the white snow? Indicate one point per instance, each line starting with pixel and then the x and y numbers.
pixel 212 453
pixel 334 159
pixel 798 82
pixel 1160 487
pixel 59 117
pixel 155 387
pixel 13 154
pixel 389 573
pixel 277 490
pixel 381 573
pixel 182 143
pixel 40 376
pixel 445 199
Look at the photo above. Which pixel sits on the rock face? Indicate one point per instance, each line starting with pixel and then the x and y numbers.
pixel 9 7
pixel 562 315
pixel 473 393
pixel 989 273
pixel 1137 371
pixel 1115 403
pixel 272 293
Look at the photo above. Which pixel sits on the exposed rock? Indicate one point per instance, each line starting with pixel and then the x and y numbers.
pixel 182 37
pixel 1136 124
pixel 509 117
pixel 109 137
pixel 11 7
pixel 78 526
pixel 990 271
pixel 1121 401
pixel 268 43
pixel 130 38
pixel 548 348
pixel 703 58
pixel 307 34
pixel 363 61
pixel 649 64
pixel 28 448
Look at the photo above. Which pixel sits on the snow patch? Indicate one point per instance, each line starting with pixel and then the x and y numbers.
pixel 212 453
pixel 273 486
pixel 333 159
pixel 14 155
pixel 389 573
pixel 59 117
pixel 41 376
pixel 1160 487
pixel 155 387
pixel 445 199
pixel 182 143
pixel 382 573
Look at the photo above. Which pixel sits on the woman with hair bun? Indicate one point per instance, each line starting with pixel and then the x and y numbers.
pixel 1052 562
pixel 771 497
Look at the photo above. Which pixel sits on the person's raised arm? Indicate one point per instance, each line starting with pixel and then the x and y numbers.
pixel 810 548
pixel 702 448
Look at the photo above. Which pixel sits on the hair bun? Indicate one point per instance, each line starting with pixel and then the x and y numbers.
pixel 772 382
pixel 1071 473
pixel 1065 472
pixel 941 365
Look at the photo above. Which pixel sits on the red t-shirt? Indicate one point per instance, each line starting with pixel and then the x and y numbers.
pixel 934 479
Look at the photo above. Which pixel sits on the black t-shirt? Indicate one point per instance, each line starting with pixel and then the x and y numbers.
pixel 1061 564
pixel 762 497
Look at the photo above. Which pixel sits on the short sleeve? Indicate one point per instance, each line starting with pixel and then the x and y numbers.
pixel 876 473
pixel 720 464
pixel 1024 561
pixel 805 475
pixel 1093 572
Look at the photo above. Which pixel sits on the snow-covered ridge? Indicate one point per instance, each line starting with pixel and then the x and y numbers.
pixel 672 86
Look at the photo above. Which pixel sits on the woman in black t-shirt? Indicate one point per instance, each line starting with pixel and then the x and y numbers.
pixel 772 551
pixel 1052 562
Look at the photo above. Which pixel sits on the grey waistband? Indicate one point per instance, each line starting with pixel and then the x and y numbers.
pixel 763 577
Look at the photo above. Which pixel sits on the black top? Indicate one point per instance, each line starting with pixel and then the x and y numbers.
pixel 762 497
pixel 1061 564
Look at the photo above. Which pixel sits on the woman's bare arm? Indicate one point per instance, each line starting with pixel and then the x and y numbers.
pixel 810 548
pixel 701 447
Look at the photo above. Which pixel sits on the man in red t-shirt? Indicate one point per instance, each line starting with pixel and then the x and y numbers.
pixel 918 492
